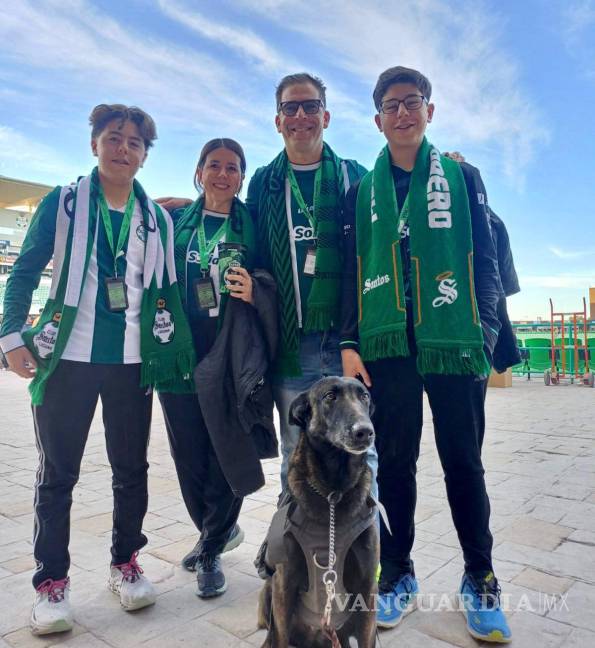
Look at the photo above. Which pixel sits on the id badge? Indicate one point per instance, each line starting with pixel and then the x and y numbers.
pixel 117 294
pixel 310 264
pixel 204 290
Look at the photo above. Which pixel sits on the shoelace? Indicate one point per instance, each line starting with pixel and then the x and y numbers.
pixel 131 570
pixel 487 591
pixel 207 562
pixel 54 589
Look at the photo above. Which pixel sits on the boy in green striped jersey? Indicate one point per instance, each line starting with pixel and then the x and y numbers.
pixel 112 328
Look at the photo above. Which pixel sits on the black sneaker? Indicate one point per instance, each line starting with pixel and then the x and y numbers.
pixel 209 576
pixel 236 537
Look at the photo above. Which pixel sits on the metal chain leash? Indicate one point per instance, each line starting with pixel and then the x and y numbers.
pixel 329 578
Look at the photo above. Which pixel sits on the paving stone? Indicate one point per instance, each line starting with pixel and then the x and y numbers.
pixel 237 617
pixel 525 627
pixel 542 582
pixel 19 564
pixel 192 633
pixel 541 481
pixel 86 640
pixel 535 533
pixel 24 639
pixel 578 608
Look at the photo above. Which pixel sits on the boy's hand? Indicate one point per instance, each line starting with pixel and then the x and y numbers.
pixel 22 362
pixel 170 202
pixel 353 367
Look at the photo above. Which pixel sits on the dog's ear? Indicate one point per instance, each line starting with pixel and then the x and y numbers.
pixel 300 411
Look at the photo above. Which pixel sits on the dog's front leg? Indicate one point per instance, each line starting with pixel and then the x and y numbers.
pixel 284 598
pixel 365 630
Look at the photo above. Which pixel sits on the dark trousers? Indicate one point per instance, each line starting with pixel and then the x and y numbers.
pixel 457 404
pixel 62 426
pixel 213 507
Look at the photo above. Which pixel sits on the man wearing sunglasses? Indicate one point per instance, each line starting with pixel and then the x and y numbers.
pixel 297 202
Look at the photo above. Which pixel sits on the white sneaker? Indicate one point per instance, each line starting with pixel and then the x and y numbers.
pixel 51 609
pixel 135 590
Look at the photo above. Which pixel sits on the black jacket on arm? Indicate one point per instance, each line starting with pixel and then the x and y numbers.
pixel 488 288
pixel 233 390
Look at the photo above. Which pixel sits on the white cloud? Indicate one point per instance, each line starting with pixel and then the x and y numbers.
pixel 19 153
pixel 577 280
pixel 570 254
pixel 244 41
pixel 92 54
pixel 579 16
pixel 480 96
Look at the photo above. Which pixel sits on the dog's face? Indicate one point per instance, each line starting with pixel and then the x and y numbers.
pixel 336 410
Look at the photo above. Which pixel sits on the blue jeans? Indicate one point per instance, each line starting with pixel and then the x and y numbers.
pixel 319 356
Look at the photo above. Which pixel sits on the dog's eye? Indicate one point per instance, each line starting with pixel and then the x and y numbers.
pixel 330 396
pixel 365 396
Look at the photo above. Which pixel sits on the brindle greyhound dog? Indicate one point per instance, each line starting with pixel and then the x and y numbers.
pixel 329 460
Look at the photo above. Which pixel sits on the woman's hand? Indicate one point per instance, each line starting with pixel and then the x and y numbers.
pixel 240 286
pixel 353 367
pixel 22 362
pixel 170 202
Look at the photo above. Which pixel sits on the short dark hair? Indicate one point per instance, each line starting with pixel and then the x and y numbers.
pixel 400 74
pixel 103 114
pixel 295 79
pixel 213 145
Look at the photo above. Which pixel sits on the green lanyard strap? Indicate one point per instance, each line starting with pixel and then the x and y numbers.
pixel 107 223
pixel 297 194
pixel 205 248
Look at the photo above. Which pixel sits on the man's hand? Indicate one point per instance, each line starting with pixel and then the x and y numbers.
pixel 353 367
pixel 22 362
pixel 455 155
pixel 170 202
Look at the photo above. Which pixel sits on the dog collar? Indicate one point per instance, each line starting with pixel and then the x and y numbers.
pixel 333 497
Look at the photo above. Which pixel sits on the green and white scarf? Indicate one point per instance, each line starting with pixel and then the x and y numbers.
pixel 165 340
pixel 447 328
pixel 240 229
pixel 323 302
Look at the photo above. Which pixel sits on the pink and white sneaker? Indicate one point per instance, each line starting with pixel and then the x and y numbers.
pixel 51 609
pixel 127 581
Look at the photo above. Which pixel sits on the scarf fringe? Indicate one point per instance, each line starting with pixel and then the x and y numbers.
pixel 287 365
pixel 452 361
pixel 160 370
pixel 37 388
pixel 384 345
pixel 319 318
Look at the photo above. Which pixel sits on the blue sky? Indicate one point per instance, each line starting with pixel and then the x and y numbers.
pixel 514 88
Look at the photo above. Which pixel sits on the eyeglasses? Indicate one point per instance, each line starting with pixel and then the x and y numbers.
pixel 411 102
pixel 309 106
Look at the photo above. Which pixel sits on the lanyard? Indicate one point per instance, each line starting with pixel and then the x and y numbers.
pixel 205 248
pixel 297 194
pixel 124 229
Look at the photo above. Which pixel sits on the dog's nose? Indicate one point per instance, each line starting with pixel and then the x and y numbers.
pixel 362 432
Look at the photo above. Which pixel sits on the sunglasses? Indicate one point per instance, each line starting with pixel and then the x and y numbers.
pixel 309 106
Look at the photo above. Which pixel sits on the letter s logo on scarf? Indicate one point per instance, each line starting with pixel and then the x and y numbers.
pixel 447 288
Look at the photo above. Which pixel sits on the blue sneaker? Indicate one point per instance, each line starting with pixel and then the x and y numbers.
pixel 395 600
pixel 479 598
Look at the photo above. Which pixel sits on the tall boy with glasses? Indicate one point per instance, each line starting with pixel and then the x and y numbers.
pixel 298 202
pixel 420 292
